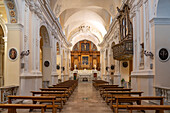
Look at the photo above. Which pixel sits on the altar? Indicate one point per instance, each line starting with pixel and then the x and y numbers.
pixel 85 74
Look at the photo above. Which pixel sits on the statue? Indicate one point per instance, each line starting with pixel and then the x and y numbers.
pixel 95 67
pixel 75 67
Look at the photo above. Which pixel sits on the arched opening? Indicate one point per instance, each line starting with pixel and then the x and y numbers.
pixel 112 64
pixel 41 55
pixel 45 56
pixel 1 57
pixel 58 60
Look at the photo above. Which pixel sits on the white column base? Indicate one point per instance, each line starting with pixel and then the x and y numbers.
pixel 54 79
pixel 117 80
pixel 143 81
pixel 62 77
pixel 103 78
pixel 66 77
pixel 108 78
pixel 30 83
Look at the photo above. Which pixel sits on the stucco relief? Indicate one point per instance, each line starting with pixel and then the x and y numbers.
pixel 11 10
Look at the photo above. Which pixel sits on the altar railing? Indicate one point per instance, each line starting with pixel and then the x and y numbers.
pixel 5 91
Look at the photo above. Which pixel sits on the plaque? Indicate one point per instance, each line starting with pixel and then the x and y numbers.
pixel 46 63
pixel 58 67
pixel 112 67
pixel 163 54
pixel 125 64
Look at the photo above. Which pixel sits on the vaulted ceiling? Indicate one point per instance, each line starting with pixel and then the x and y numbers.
pixel 85 19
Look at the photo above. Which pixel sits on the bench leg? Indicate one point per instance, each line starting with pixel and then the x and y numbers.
pixel 12 110
pixel 159 111
pixel 130 111
pixel 42 110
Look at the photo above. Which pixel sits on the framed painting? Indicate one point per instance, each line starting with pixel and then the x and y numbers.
pixel 13 54
pixel 85 47
pixel 85 60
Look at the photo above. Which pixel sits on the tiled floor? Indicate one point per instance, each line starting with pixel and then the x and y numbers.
pixel 85 99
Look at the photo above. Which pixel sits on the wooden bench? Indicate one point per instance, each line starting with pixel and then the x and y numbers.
pixel 110 96
pixel 109 90
pixel 35 98
pixel 158 108
pixel 123 99
pixel 56 89
pixel 12 107
pixel 61 97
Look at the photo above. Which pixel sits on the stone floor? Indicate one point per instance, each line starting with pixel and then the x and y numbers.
pixel 85 99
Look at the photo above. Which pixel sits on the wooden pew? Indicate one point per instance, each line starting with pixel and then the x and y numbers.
pixel 158 108
pixel 123 99
pixel 110 96
pixel 35 98
pixel 12 107
pixel 61 97
pixel 57 89
pixel 97 83
pixel 109 90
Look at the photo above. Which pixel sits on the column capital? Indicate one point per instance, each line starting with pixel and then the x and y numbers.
pixel 15 26
pixel 5 39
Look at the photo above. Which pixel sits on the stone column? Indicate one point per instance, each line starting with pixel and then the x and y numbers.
pixel 2 61
pixel 117 75
pixel 54 75
pixel 15 34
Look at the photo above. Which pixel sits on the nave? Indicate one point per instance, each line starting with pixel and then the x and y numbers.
pixel 86 99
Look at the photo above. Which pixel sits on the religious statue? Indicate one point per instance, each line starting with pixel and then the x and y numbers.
pixel 95 66
pixel 75 66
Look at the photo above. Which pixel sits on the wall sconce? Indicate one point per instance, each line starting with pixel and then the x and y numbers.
pixel 147 53
pixel 24 53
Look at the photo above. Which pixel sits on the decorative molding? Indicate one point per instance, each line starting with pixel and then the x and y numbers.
pixel 12 13
pixel 160 21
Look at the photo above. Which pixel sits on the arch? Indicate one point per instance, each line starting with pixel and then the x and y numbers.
pixel 45 35
pixel 163 8
pixel 1 56
pixel 4 28
pixel 45 56
pixel 85 36
pixel 76 46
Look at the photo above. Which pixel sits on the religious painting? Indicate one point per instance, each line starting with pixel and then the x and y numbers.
pixel 85 47
pixel 13 54
pixel 76 47
pixel 85 60
pixel 93 46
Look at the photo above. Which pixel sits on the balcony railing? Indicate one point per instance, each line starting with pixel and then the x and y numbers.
pixel 123 50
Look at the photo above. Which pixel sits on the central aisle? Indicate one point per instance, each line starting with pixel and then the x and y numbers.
pixel 86 99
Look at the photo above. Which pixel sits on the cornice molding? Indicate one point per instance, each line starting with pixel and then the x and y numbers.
pixel 160 21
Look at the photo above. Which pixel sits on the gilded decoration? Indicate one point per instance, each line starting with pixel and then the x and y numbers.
pixel 12 10
pixel 85 56
pixel 13 20
pixel 12 13
pixel 10 5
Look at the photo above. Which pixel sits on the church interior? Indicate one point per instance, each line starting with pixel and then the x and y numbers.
pixel 84 56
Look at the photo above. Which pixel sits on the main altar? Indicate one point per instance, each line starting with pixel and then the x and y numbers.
pixel 88 74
